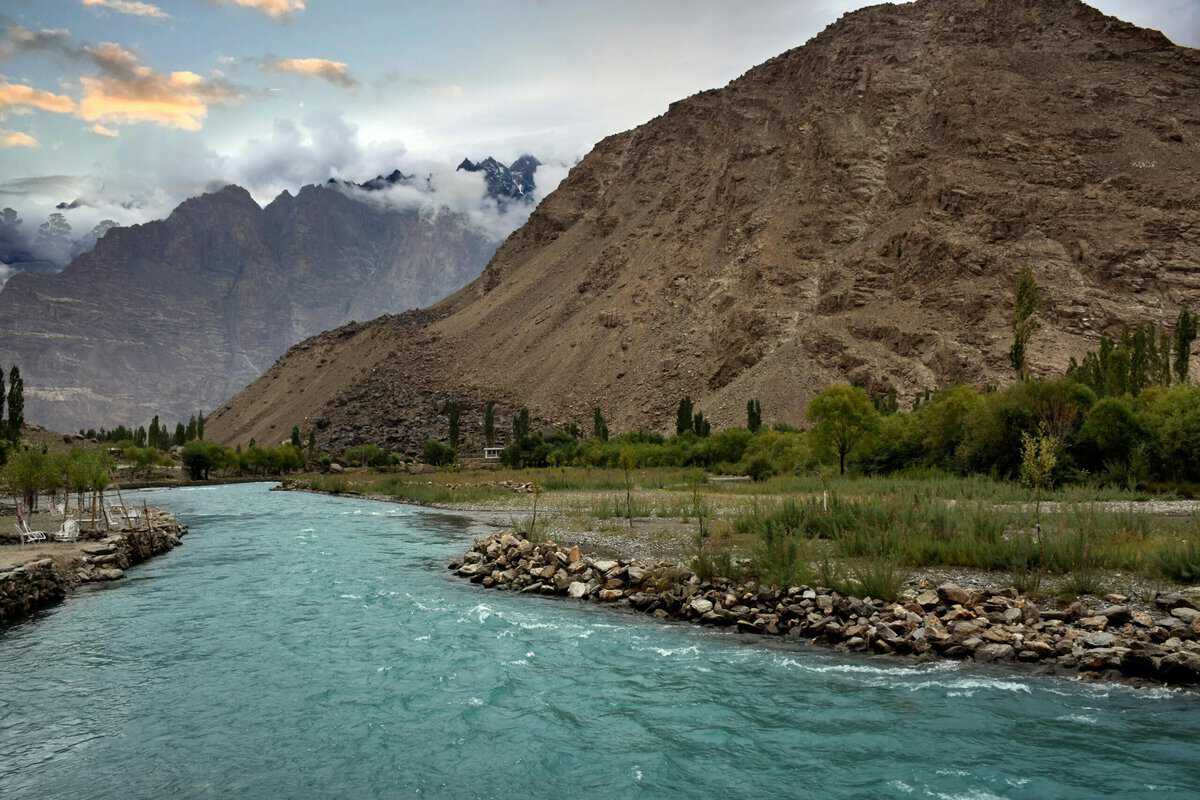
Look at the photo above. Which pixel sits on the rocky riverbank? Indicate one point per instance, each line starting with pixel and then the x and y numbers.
pixel 49 576
pixel 1111 642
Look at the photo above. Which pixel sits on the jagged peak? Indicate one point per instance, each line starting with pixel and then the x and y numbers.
pixel 229 195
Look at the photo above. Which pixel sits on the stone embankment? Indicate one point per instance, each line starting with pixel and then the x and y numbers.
pixel 948 621
pixel 45 581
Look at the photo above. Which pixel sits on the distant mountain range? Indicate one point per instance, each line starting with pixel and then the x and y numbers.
pixel 504 184
pixel 177 315
pixel 514 182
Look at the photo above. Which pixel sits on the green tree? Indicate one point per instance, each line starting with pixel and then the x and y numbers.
pixel 24 474
pixel 520 427
pixel 842 415
pixel 296 441
pixel 1026 298
pixel 200 425
pixel 180 435
pixel 683 417
pixel 3 400
pixel 753 415
pixel 312 445
pixel 599 426
pixel 1173 418
pixel 189 432
pixel 16 404
pixel 1185 335
pixel 489 423
pixel 1039 459
pixel 700 425
pixel 201 458
pixel 437 454
pixel 1109 436
pixel 452 411
pixel 628 462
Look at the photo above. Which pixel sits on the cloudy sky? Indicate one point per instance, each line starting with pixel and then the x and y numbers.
pixel 141 103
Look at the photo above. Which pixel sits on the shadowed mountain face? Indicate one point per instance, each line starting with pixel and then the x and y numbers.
pixel 175 316
pixel 854 208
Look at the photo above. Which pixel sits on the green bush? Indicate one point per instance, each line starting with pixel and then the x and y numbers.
pixel 437 453
pixel 367 455
pixel 1180 562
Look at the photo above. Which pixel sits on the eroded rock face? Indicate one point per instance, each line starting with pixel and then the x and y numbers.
pixel 176 316
pixel 854 208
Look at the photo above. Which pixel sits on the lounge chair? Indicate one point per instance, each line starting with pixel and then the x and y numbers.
pixel 115 523
pixel 28 536
pixel 69 532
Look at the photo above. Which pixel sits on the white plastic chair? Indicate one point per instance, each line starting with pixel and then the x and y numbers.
pixel 69 532
pixel 114 524
pixel 28 536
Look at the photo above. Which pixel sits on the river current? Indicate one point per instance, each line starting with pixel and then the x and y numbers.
pixel 299 646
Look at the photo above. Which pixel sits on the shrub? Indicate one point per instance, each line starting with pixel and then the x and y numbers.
pixel 1109 435
pixel 367 455
pixel 1173 419
pixel 1180 562
pixel 437 454
pixel 787 452
pixel 760 469
pixel 200 458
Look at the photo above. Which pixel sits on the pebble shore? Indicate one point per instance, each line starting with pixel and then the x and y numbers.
pixel 1112 641
pixel 42 582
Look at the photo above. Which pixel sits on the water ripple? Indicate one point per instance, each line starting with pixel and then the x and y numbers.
pixel 303 646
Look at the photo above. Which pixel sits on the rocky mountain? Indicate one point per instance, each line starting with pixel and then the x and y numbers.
pixel 177 315
pixel 505 184
pixel 855 208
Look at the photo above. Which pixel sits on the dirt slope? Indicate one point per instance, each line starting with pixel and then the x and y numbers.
pixel 854 208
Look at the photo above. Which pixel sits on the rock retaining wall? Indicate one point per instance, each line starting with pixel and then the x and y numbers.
pixel 37 584
pixel 947 621
pixel 28 587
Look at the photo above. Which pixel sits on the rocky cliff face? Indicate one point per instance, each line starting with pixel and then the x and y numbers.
pixel 176 316
pixel 854 208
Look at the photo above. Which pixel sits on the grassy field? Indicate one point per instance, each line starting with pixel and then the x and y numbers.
pixel 867 532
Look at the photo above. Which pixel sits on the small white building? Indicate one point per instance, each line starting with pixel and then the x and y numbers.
pixel 492 453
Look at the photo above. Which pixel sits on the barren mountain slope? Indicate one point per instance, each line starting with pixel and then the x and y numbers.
pixel 856 207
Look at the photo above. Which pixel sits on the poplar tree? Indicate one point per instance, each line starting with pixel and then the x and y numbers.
pixel 1024 326
pixel 1185 335
pixel 3 400
pixel 453 412
pixel 296 443
pixel 489 423
pixel 753 415
pixel 599 426
pixel 684 421
pixel 521 427
pixel 16 403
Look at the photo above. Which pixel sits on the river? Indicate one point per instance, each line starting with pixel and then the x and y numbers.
pixel 299 646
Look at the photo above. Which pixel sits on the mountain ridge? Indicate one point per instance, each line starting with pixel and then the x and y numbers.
pixel 173 316
pixel 854 208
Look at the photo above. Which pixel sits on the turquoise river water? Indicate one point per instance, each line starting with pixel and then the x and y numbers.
pixel 299 646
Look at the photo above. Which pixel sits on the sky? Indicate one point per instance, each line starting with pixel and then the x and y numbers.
pixel 133 105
